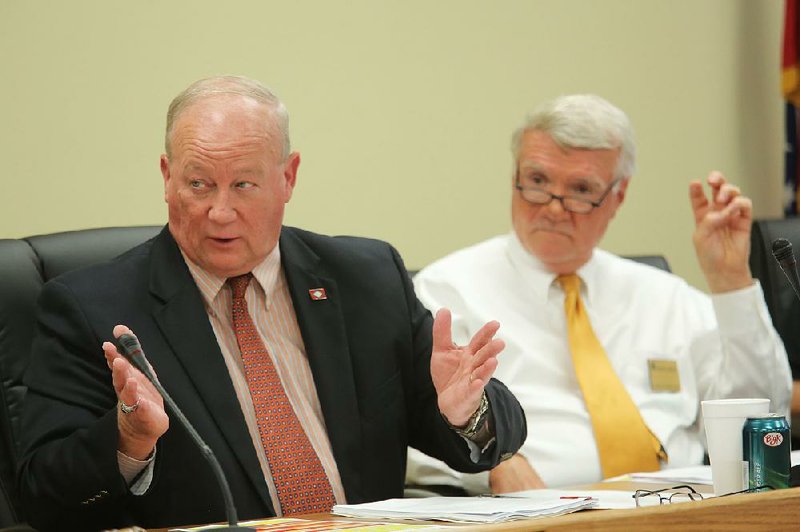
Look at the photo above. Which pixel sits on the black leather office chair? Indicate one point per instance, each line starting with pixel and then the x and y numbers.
pixel 657 261
pixel 25 265
pixel 782 303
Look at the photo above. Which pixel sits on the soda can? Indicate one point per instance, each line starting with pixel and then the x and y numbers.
pixel 766 451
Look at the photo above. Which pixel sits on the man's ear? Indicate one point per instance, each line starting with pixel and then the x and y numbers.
pixel 165 172
pixel 619 194
pixel 290 174
pixel 622 188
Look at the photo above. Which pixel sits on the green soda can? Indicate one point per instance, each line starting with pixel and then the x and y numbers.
pixel 766 447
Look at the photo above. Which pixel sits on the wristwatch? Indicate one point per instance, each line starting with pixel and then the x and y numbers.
pixel 475 422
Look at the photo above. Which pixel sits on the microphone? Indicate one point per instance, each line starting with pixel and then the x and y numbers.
pixel 129 347
pixel 782 251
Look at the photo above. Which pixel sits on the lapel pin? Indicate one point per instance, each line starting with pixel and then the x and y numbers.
pixel 317 294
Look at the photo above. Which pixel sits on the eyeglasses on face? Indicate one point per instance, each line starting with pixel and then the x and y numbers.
pixel 675 494
pixel 540 196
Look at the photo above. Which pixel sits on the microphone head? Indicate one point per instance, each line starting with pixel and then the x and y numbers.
pixel 782 249
pixel 127 345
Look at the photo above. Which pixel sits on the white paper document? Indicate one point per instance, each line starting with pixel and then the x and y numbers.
pixel 604 499
pixel 688 475
pixel 679 475
pixel 467 509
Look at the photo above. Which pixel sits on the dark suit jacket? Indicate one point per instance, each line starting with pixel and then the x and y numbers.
pixel 368 345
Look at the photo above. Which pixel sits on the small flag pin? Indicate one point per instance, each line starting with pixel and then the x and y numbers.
pixel 317 294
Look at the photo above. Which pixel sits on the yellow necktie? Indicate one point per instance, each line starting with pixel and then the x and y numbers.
pixel 624 442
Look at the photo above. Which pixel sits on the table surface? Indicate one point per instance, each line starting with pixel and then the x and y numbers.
pixel 779 509
pixel 774 510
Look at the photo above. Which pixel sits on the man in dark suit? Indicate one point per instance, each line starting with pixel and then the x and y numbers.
pixel 228 303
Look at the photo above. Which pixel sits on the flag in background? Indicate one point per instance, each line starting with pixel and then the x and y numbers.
pixel 790 84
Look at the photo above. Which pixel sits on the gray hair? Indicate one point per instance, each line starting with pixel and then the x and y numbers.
pixel 229 85
pixel 584 121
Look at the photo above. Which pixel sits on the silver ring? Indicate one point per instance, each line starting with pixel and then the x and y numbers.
pixel 128 409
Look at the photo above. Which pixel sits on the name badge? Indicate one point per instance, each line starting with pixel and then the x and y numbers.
pixel 664 375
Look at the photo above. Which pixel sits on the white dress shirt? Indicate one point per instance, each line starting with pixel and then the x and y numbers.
pixel 724 346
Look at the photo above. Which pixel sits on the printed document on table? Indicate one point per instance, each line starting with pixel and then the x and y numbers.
pixel 466 509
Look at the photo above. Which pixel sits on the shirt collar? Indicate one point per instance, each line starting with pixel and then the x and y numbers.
pixel 541 280
pixel 591 277
pixel 266 273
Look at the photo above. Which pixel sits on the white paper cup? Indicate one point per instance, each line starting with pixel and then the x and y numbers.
pixel 724 420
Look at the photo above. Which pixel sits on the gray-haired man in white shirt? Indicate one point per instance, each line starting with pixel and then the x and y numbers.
pixel 670 345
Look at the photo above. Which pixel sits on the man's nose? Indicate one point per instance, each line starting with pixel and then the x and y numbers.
pixel 556 207
pixel 222 209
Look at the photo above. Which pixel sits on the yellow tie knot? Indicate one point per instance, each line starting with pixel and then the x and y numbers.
pixel 570 283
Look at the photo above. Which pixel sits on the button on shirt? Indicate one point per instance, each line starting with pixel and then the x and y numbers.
pixel 724 346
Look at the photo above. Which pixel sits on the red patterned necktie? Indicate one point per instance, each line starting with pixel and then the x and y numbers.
pixel 297 472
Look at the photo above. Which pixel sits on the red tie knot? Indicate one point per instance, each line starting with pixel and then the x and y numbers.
pixel 239 284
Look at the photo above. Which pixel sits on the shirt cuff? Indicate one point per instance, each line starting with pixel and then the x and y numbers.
pixel 736 309
pixel 138 474
pixel 475 451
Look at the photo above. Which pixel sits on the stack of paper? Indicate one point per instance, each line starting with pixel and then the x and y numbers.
pixel 290 524
pixel 604 499
pixel 677 475
pixel 465 509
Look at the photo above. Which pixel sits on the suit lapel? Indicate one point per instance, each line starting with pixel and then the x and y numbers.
pixel 181 316
pixel 322 326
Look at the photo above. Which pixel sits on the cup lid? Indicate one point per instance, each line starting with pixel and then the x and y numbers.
pixel 740 407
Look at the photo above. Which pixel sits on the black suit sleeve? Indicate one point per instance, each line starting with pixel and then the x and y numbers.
pixel 69 472
pixel 428 430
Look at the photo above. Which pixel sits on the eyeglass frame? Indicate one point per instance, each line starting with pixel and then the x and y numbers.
pixel 756 489
pixel 592 205
pixel 692 493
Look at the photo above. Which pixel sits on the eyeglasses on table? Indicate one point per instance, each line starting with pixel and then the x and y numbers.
pixel 675 494
pixel 682 493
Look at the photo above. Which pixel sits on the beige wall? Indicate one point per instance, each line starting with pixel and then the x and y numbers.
pixel 402 110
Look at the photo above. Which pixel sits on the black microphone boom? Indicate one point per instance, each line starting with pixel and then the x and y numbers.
pixel 129 347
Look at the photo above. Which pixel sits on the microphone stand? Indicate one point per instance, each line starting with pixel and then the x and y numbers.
pixel 129 347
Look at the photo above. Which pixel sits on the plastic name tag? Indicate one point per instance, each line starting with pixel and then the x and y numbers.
pixel 664 375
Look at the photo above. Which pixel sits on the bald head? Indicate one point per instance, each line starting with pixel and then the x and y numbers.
pixel 276 118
